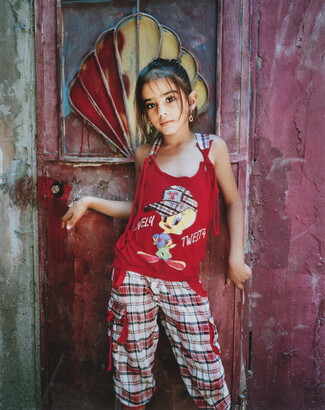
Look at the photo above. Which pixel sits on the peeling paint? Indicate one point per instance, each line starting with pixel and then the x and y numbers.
pixel 286 194
pixel 19 376
pixel 269 199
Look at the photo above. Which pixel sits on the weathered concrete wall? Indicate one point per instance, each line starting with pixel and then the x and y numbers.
pixel 287 294
pixel 19 363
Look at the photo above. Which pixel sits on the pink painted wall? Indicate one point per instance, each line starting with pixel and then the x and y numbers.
pixel 286 212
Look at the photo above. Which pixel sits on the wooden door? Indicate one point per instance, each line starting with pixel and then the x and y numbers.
pixel 74 160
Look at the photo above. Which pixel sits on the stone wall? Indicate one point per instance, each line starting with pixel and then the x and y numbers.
pixel 19 361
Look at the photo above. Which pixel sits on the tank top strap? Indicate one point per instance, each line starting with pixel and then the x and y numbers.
pixel 137 202
pixel 203 141
pixel 204 144
pixel 156 145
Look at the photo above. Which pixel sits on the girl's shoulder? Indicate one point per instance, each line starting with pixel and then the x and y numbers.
pixel 142 150
pixel 218 148
pixel 213 141
pixel 210 138
pixel 141 153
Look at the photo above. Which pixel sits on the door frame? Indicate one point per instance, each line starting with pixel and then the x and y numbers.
pixel 234 84
pixel 232 122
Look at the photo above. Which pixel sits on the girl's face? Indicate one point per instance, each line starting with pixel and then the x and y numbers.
pixel 167 108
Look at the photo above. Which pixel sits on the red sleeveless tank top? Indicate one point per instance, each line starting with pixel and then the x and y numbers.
pixel 167 231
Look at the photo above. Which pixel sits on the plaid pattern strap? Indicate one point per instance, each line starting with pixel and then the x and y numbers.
pixel 203 141
pixel 156 145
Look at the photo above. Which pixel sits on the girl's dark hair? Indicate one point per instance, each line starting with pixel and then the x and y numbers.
pixel 160 68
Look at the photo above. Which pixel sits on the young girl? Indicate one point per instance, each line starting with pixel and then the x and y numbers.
pixel 156 266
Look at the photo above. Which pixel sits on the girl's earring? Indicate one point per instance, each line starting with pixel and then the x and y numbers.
pixel 190 118
pixel 150 127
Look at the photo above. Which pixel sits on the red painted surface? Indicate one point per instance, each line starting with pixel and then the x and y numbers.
pixel 90 98
pixel 75 282
pixel 287 293
pixel 105 52
pixel 285 309
pixel 94 113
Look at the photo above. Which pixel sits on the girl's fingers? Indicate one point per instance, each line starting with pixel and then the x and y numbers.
pixel 73 215
pixel 63 221
pixel 67 220
pixel 70 219
pixel 239 285
pixel 239 278
pixel 71 222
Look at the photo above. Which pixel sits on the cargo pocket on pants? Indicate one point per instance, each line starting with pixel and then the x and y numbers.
pixel 117 323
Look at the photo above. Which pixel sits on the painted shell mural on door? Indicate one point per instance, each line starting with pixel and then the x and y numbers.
pixel 102 92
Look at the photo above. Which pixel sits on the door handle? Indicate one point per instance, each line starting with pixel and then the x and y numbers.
pixel 57 189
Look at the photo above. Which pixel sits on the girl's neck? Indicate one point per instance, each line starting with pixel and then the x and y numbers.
pixel 177 140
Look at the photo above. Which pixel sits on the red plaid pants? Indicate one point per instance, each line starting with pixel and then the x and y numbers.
pixel 186 317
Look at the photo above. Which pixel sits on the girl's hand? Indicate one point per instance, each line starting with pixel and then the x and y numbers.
pixel 238 273
pixel 75 212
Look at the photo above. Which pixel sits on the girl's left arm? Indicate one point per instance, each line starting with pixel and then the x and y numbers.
pixel 238 271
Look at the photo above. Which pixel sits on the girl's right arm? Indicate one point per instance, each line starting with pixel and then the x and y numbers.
pixel 115 209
